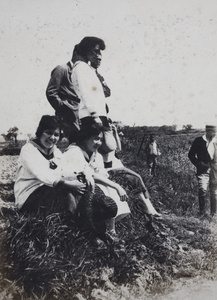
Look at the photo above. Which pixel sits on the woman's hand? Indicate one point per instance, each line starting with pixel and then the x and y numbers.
pixel 122 193
pixel 90 181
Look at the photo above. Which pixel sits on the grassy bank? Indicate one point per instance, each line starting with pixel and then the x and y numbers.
pixel 49 258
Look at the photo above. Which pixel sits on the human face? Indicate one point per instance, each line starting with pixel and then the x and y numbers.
pixel 152 138
pixel 94 57
pixel 210 134
pixel 93 143
pixel 49 138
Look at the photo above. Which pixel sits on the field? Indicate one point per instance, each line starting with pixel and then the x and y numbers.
pixel 50 259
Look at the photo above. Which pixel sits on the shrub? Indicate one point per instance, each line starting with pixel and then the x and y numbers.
pixel 12 148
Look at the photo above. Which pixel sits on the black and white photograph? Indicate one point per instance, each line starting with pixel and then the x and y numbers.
pixel 108 150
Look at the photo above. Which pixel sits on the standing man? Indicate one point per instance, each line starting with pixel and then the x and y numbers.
pixel 90 90
pixel 152 151
pixel 201 154
pixel 95 63
pixel 61 95
pixel 86 83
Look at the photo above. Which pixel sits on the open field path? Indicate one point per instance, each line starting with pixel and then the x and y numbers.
pixel 8 167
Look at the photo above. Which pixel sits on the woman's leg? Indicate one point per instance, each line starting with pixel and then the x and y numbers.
pixel 111 234
pixel 149 208
pixel 72 203
pixel 111 222
pixel 141 190
pixel 111 225
pixel 154 166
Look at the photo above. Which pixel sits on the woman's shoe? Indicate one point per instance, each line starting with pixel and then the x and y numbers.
pixel 152 216
pixel 100 245
pixel 158 216
pixel 117 246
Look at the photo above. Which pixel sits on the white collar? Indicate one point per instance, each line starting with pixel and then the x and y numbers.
pixel 212 141
pixel 71 63
pixel 41 149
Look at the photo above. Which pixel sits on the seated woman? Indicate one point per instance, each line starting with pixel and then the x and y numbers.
pixel 39 185
pixel 114 167
pixel 84 157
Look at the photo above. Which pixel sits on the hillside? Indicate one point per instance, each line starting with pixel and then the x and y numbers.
pixel 47 259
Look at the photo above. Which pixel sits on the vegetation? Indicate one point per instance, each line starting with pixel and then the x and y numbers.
pixel 50 258
pixel 11 148
pixel 11 134
pixel 187 127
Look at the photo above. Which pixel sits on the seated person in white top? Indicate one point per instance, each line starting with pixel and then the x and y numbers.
pixel 39 185
pixel 84 157
pixel 114 166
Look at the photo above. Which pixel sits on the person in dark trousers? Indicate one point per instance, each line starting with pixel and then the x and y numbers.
pixel 61 95
pixel 201 155
pixel 152 152
pixel 213 182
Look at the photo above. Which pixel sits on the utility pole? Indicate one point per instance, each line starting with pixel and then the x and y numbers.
pixel 140 147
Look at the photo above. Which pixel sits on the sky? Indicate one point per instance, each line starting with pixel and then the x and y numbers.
pixel 160 59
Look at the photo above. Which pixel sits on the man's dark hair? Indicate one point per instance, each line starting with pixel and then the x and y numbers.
pixel 75 52
pixel 88 43
pixel 152 136
pixel 47 122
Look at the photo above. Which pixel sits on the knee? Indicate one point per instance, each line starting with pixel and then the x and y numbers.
pixel 71 203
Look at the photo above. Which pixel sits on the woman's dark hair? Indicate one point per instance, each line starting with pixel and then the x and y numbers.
pixel 87 130
pixel 47 122
pixel 88 43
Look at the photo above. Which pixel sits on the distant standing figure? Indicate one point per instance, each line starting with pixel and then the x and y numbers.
pixel 201 155
pixel 152 151
pixel 213 181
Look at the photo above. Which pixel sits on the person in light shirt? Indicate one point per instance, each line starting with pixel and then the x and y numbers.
pixel 86 83
pixel 83 157
pixel 201 155
pixel 152 151
pixel 39 184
